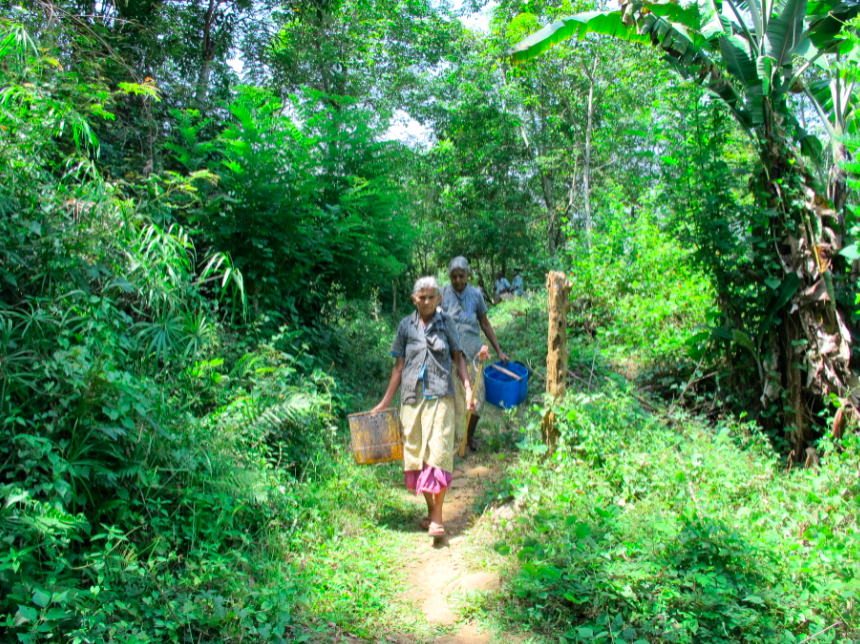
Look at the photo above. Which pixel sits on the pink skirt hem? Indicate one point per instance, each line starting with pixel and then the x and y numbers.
pixel 429 479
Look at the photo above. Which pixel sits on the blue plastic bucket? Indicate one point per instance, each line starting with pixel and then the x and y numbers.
pixel 504 391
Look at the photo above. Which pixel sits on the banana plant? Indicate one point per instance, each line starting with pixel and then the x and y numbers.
pixel 753 55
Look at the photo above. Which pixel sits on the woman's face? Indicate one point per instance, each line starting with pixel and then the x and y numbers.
pixel 458 279
pixel 426 301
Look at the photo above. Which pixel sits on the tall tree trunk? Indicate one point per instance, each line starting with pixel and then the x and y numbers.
pixel 207 53
pixel 815 353
pixel 586 171
pixel 837 185
pixel 549 202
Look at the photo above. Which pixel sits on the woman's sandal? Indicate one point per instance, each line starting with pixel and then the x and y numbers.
pixel 436 530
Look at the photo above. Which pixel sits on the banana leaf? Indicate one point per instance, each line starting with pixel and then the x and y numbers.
pixel 600 22
pixel 785 31
pixel 738 58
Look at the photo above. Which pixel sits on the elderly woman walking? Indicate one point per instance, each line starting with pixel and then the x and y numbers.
pixel 427 349
pixel 466 305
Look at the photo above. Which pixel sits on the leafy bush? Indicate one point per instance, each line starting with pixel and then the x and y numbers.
pixel 641 531
pixel 158 471
pixel 636 290
pixel 304 200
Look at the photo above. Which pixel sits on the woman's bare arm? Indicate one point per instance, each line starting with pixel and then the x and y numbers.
pixel 487 328
pixel 463 372
pixel 393 386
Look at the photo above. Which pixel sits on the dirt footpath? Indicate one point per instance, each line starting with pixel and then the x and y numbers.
pixel 437 568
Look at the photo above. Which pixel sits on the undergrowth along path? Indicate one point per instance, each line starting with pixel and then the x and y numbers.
pixel 448 591
pixel 447 583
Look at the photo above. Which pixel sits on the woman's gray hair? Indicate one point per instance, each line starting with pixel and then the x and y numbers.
pixel 426 282
pixel 460 263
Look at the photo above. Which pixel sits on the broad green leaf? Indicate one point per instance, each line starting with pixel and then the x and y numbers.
pixel 550 572
pixel 27 613
pixel 688 16
pixel 41 598
pixel 782 296
pixel 784 32
pixel 811 146
pixel 743 340
pixel 739 61
pixel 764 67
pixel 755 103
pixel 56 614
pixel 772 282
pixel 599 22
pixel 714 23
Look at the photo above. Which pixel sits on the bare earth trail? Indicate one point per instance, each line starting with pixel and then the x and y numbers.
pixel 439 569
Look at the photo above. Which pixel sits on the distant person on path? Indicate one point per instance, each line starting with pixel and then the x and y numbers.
pixel 465 304
pixel 502 287
pixel 427 349
pixel 517 283
pixel 482 287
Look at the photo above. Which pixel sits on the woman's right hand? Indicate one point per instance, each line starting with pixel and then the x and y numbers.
pixel 379 407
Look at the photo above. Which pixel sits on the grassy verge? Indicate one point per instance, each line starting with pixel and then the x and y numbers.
pixel 644 528
pixel 345 552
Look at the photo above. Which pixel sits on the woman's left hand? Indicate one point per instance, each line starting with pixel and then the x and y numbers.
pixel 473 401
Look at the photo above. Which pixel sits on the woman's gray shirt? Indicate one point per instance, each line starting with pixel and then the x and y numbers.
pixel 466 308
pixel 427 353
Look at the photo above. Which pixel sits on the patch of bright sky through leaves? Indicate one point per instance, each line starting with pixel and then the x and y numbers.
pixel 403 127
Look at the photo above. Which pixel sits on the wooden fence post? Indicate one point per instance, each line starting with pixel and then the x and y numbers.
pixel 558 289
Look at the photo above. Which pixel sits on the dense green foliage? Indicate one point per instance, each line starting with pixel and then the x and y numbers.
pixel 209 225
pixel 642 530
pixel 651 524
pixel 793 238
pixel 158 459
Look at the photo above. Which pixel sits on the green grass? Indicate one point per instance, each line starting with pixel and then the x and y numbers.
pixel 648 529
pixel 347 551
